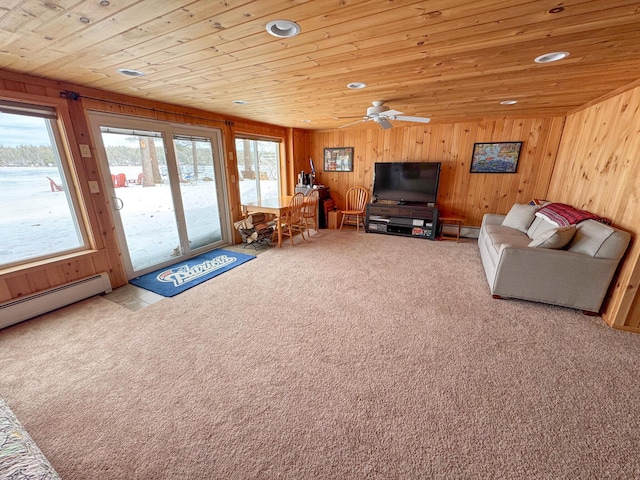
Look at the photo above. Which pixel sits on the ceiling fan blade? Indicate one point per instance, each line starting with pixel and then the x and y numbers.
pixel 365 119
pixel 412 119
pixel 390 113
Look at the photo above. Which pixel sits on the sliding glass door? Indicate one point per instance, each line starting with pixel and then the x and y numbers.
pixel 166 190
pixel 197 173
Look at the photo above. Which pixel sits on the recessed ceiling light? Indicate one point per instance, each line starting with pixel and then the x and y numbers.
pixel 240 102
pixel 85 20
pixel 283 28
pixel 306 121
pixel 508 102
pixel 551 57
pixel 130 72
pixel 357 85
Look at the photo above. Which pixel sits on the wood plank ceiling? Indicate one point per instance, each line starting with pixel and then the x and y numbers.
pixel 450 60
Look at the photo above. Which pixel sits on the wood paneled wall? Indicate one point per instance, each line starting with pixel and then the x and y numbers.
pixel 598 169
pixel 460 192
pixel 301 154
pixel 105 254
pixel 590 162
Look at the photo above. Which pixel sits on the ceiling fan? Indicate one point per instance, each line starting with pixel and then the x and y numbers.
pixel 381 114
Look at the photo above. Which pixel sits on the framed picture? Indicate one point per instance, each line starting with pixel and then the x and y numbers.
pixel 495 157
pixel 338 159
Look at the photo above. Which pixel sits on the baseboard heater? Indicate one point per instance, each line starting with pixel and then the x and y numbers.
pixel 29 306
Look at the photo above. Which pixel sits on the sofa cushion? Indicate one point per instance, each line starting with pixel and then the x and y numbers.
pixel 590 237
pixel 520 217
pixel 555 238
pixel 496 236
pixel 499 235
pixel 538 227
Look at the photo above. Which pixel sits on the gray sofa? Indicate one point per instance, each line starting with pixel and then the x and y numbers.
pixel 525 256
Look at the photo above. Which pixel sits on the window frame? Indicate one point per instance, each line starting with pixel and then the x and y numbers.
pixel 64 145
pixel 261 138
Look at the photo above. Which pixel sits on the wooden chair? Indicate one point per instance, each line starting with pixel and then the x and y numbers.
pixel 310 211
pixel 293 220
pixel 356 202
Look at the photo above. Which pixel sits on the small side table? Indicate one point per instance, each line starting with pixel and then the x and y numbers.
pixel 453 220
pixel 335 217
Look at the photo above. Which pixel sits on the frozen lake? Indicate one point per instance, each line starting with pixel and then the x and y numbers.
pixel 35 219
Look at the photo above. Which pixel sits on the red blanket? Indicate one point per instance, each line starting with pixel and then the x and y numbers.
pixel 562 215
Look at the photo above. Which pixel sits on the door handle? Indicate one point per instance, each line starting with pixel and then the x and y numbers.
pixel 118 203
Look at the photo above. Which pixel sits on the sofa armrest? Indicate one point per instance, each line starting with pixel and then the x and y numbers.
pixel 558 277
pixel 492 219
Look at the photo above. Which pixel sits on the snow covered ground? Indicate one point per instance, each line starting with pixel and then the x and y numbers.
pixel 33 219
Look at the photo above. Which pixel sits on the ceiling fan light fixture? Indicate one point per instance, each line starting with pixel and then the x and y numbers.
pixel 283 28
pixel 377 108
pixel 552 57
pixel 130 72
pixel 356 85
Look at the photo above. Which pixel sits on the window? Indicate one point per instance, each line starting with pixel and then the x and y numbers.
pixel 39 211
pixel 259 168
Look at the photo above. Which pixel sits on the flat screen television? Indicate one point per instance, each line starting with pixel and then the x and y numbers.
pixel 406 182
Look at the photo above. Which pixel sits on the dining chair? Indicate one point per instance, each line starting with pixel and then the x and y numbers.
pixel 293 220
pixel 310 211
pixel 356 203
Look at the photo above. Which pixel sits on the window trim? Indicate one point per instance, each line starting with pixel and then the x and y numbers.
pixel 55 110
pixel 262 138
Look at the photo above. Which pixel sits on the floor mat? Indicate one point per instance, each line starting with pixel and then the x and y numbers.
pixel 170 281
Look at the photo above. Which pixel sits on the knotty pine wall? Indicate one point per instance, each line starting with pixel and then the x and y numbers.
pixel 589 160
pixel 596 153
pixel 598 169
pixel 104 254
pixel 461 193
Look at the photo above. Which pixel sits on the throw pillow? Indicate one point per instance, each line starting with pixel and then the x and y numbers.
pixel 520 217
pixel 555 238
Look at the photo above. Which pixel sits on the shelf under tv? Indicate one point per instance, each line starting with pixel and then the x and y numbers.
pixel 409 220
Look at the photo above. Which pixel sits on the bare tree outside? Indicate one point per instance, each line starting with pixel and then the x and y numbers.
pixel 259 168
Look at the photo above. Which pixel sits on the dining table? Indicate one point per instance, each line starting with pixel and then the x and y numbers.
pixel 276 206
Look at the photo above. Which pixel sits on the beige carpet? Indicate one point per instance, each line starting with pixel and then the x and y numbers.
pixel 353 356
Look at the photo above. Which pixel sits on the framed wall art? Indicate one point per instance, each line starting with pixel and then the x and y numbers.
pixel 338 159
pixel 500 157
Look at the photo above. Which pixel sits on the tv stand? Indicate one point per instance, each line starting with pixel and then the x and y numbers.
pixel 408 220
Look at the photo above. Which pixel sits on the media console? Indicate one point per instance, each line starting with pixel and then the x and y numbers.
pixel 408 220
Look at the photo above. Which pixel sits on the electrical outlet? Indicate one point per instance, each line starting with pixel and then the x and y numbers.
pixel 93 186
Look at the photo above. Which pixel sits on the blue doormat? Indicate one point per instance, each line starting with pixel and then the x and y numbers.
pixel 170 281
